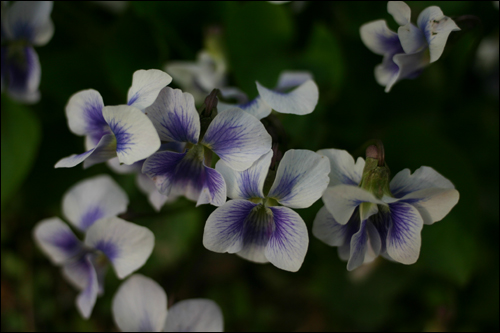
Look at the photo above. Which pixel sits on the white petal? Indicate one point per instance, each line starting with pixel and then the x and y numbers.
pixel 92 199
pixel 436 28
pixel 175 117
pixel 136 137
pixel 342 200
pixel 424 177
pixel 400 11
pixel 287 246
pixel 105 150
pixel 86 299
pixel 342 167
pixel 127 245
pixel 146 85
pixel 432 203
pixel 386 72
pixel 290 79
pixel 148 187
pixel 302 100
pixel 84 113
pixel 249 183
pixel 359 245
pixel 140 305
pixel 410 66
pixel 326 229
pixel 28 20
pixel 301 178
pixel 124 169
pixel 194 315
pixel 238 138
pixel 412 38
pixel 256 107
pixel 233 92
pixel 23 73
pixel 57 240
pixel 379 38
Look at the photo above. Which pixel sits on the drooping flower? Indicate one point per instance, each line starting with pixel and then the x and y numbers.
pixel 407 52
pixel 111 131
pixel 365 215
pixel 235 136
pixel 301 100
pixel 91 206
pixel 24 24
pixel 140 305
pixel 253 225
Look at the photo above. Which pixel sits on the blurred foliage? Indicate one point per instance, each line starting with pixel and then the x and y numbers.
pixel 447 118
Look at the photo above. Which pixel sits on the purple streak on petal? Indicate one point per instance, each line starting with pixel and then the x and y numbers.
pixel 22 30
pixel 146 325
pixel 133 99
pixel 286 184
pixel 236 218
pixel 108 248
pixel 358 247
pixel 177 147
pixel 382 221
pixel 400 229
pixel 92 215
pixel 258 227
pixel 67 242
pixel 122 134
pixel 391 44
pixel 350 228
pixel 21 65
pixel 216 186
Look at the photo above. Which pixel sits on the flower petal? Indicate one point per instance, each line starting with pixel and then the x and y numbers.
pixel 105 150
pixel 238 138
pixel 85 301
pixel 233 93
pixel 342 200
pixel 379 38
pixel 358 247
pixel 342 167
pixel 57 240
pixel 400 11
pixel 436 28
pixel 302 100
pixel 161 167
pixel 290 79
pixel 301 178
pixel 249 183
pixel 92 199
pixel 403 238
pixel 412 39
pixel 140 305
pixel 136 137
pixel 127 245
pixel 424 177
pixel 287 246
pixel 76 272
pixel 24 72
pixel 256 107
pixel 146 85
pixel 28 20
pixel 148 187
pixel 174 116
pixel 433 204
pixel 326 229
pixel 194 315
pixel 255 233
pixel 387 71
pixel 410 66
pixel 214 188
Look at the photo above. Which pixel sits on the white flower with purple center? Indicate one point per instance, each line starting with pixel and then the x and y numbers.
pixel 140 305
pixel 24 24
pixel 365 215
pixel 111 131
pixel 407 52
pixel 253 225
pixel 301 100
pixel 91 206
pixel 235 136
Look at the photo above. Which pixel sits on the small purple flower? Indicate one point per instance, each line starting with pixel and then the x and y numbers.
pixel 140 305
pixel 24 24
pixel 91 207
pixel 235 136
pixel 407 52
pixel 365 215
pixel 253 225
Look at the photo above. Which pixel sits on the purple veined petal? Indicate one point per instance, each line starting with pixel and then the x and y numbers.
pixel 84 114
pixel 302 100
pixel 214 188
pixel 424 177
pixel 412 39
pixel 233 93
pixel 224 230
pixel 92 199
pixel 256 107
pixel 30 21
pixel 57 240
pixel 238 138
pixel 410 66
pixel 433 204
pixel 290 79
pixel 23 74
pixel 136 137
pixel 359 245
pixel 85 301
pixel 174 116
pixel 436 28
pixel 326 229
pixel 105 149
pixel 287 246
pixel 127 245
pixel 342 200
pixel 301 179
pixel 400 11
pixel 374 241
pixel 146 85
pixel 76 272
pixel 140 305
pixel 194 315
pixel 249 183
pixel 342 167
pixel 161 167
pixel 256 232
pixel 403 237
pixel 379 38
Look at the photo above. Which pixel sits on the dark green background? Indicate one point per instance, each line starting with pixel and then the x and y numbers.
pixel 447 118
